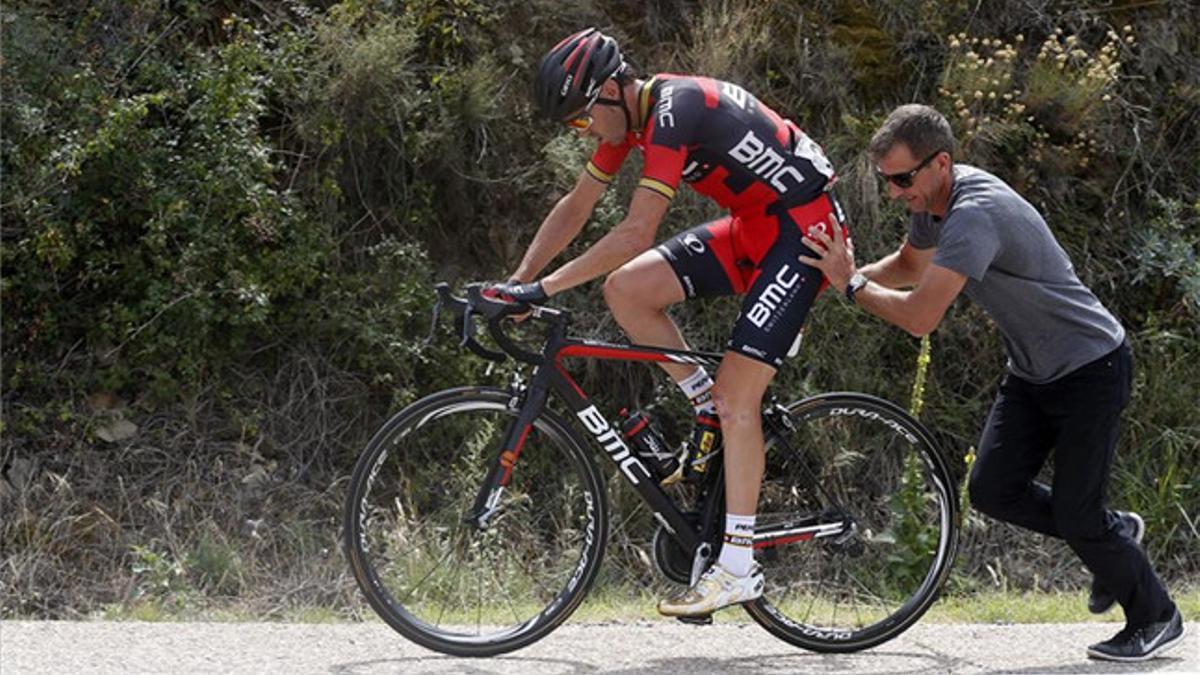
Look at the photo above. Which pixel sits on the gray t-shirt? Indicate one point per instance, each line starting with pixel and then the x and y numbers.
pixel 1051 323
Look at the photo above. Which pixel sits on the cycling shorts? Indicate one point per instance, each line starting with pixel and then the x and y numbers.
pixel 757 257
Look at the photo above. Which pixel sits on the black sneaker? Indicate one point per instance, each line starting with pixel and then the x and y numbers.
pixel 1100 600
pixel 1141 644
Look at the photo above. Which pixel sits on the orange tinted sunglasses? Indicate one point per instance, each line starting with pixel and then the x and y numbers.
pixel 583 121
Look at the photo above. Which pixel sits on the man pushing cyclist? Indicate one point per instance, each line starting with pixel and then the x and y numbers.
pixel 1069 371
pixel 776 184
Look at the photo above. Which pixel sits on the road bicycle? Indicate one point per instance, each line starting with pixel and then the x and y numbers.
pixel 476 518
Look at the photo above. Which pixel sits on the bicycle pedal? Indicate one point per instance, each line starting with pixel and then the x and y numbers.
pixel 701 620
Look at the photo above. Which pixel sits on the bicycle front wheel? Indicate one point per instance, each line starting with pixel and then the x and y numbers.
pixel 442 581
pixel 857 525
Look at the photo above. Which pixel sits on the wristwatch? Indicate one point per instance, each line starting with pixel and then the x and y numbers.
pixel 856 282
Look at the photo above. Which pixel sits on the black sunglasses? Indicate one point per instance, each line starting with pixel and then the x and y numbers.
pixel 905 179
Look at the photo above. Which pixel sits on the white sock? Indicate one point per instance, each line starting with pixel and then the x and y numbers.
pixel 737 553
pixel 697 387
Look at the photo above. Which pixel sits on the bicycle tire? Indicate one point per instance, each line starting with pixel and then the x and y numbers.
pixel 890 477
pixel 409 549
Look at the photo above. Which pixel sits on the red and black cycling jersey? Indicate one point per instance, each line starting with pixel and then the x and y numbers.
pixel 724 142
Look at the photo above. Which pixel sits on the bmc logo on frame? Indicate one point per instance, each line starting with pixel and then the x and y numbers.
pixel 612 443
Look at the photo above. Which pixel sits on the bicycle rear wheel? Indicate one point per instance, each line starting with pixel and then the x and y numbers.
pixel 857 526
pixel 441 581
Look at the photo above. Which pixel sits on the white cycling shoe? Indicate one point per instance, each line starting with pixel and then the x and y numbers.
pixel 716 588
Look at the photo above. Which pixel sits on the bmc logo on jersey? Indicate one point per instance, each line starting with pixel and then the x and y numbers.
pixel 740 97
pixel 765 162
pixel 665 101
pixel 772 295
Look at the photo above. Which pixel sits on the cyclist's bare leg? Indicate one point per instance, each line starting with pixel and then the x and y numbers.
pixel 741 383
pixel 638 294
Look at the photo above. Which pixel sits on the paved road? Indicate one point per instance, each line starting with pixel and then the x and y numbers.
pixel 660 648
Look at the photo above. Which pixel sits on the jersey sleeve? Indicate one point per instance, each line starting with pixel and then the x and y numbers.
pixel 968 243
pixel 606 161
pixel 674 125
pixel 922 231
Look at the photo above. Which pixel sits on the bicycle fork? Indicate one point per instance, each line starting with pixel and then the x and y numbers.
pixel 487 500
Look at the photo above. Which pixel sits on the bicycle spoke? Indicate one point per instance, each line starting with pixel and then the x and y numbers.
pixel 478 609
pixel 503 591
pixel 869 593
pixel 457 575
pixel 854 606
pixel 837 578
pixel 811 600
pixel 441 561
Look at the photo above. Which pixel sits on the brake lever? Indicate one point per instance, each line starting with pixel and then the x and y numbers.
pixel 433 322
pixel 468 327
pixel 469 341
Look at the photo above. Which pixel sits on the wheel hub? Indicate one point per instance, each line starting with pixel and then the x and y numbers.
pixel 848 543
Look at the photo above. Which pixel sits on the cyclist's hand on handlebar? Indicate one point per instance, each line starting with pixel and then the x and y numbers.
pixel 531 293
pixel 513 292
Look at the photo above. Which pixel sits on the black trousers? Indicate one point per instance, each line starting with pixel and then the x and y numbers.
pixel 1078 415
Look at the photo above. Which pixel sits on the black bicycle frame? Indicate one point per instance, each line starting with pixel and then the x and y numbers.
pixel 551 375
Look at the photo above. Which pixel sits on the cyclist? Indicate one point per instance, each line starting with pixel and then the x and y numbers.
pixel 774 181
pixel 1069 364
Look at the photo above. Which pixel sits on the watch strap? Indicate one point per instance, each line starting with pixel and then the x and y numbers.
pixel 856 282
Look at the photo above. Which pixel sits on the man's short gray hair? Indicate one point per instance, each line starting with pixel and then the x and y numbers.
pixel 922 129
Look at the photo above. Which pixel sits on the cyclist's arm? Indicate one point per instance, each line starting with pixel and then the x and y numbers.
pixel 627 240
pixel 920 310
pixel 900 269
pixel 664 153
pixel 560 227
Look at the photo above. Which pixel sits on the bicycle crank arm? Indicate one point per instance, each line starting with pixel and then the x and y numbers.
pixel 700 561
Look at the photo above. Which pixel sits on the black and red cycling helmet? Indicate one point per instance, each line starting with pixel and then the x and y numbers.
pixel 571 74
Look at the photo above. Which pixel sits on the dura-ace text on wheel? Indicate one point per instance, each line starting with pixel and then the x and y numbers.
pixel 439 576
pixel 864 482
